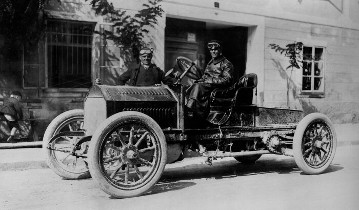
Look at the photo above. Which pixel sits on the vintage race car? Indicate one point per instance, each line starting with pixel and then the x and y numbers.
pixel 126 135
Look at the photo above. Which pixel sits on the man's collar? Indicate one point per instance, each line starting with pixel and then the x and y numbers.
pixel 149 66
pixel 216 60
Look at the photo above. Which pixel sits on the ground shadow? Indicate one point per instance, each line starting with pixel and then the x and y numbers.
pixel 165 186
pixel 330 169
pixel 179 175
pixel 232 168
pixel 169 185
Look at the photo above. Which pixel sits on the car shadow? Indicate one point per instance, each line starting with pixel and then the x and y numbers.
pixel 332 168
pixel 232 168
pixel 165 186
pixel 228 169
pixel 169 185
pixel 178 176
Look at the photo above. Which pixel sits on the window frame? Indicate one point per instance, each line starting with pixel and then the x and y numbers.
pixel 312 93
pixel 39 65
pixel 65 89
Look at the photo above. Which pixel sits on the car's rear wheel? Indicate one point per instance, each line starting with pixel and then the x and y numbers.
pixel 314 143
pixel 127 154
pixel 58 152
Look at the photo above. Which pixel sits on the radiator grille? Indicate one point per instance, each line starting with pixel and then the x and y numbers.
pixel 165 117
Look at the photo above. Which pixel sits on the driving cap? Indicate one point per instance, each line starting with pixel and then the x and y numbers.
pixel 214 44
pixel 146 50
pixel 16 93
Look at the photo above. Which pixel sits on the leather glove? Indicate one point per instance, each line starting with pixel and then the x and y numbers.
pixel 98 81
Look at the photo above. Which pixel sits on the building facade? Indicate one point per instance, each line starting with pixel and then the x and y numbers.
pixel 55 75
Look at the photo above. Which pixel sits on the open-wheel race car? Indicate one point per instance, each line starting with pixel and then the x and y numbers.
pixel 126 135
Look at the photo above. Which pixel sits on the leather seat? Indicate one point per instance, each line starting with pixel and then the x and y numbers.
pixel 223 100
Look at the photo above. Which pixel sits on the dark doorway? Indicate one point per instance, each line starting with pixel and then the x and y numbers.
pixel 184 38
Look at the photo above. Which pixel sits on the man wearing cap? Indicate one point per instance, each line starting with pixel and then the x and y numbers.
pixel 11 112
pixel 146 74
pixel 218 73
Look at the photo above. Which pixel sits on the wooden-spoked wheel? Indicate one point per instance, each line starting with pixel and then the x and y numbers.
pixel 61 155
pixel 314 143
pixel 127 154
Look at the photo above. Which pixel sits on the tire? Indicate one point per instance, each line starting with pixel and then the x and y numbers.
pixel 58 158
pixel 315 143
pixel 248 159
pixel 124 166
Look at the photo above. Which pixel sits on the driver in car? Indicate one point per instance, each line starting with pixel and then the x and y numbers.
pixel 218 73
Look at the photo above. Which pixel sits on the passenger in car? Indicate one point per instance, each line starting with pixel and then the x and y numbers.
pixel 146 74
pixel 218 74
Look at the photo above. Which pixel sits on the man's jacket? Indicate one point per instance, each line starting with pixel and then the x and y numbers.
pixel 12 106
pixel 218 71
pixel 144 77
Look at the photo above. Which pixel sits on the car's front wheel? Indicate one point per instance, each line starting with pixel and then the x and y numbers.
pixel 127 154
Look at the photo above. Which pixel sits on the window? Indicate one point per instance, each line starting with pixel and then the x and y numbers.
pixel 313 70
pixel 69 46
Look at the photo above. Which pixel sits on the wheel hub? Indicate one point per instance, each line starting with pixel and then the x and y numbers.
pixel 130 153
pixel 318 144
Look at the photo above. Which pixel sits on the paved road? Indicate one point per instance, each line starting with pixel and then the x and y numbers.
pixel 273 183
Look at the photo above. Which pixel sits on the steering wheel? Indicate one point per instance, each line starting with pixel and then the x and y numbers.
pixel 185 67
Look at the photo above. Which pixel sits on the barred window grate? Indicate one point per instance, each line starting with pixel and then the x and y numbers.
pixel 69 46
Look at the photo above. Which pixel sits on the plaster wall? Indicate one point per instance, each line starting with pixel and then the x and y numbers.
pixel 334 23
pixel 340 99
pixel 339 13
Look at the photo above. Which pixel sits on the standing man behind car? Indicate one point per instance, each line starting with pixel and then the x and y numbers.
pixel 218 73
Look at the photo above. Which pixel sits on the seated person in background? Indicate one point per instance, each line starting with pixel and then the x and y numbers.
pixel 11 112
pixel 218 73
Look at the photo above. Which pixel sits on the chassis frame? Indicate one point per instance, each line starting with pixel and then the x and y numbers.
pixel 127 152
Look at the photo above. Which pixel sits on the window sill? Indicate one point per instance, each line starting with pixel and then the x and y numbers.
pixel 31 100
pixel 311 95
pixel 66 90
